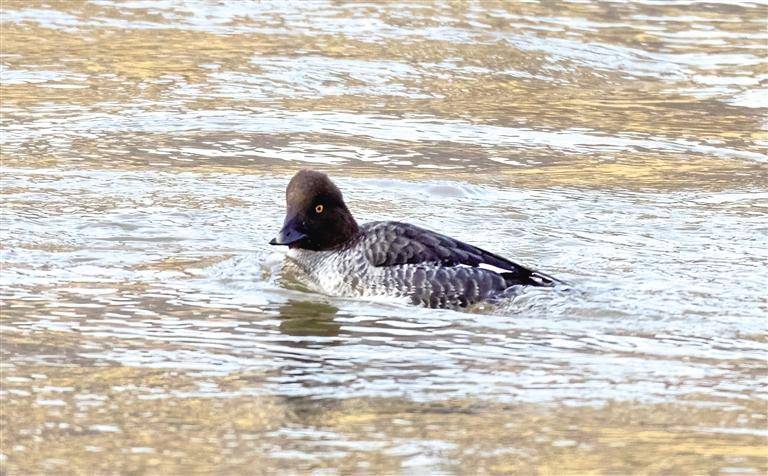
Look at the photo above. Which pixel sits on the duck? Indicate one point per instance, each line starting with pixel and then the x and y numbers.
pixel 388 258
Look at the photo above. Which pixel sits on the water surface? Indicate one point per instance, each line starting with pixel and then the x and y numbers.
pixel 148 327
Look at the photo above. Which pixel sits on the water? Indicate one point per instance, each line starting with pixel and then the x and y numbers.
pixel 148 327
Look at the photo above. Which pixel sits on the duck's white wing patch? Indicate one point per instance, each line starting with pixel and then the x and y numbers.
pixel 487 267
pixel 493 268
pixel 536 277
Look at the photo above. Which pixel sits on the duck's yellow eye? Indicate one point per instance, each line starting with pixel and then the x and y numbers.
pixel 319 209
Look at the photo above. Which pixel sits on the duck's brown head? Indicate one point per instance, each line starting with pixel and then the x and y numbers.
pixel 316 216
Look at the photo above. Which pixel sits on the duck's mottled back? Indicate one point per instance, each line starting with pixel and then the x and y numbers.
pixel 394 243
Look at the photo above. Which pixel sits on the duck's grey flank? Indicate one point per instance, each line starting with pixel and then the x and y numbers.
pixel 404 261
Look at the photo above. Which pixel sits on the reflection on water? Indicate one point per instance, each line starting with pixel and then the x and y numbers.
pixel 148 327
pixel 302 318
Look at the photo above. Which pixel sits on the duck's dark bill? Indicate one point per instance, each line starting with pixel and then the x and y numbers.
pixel 288 235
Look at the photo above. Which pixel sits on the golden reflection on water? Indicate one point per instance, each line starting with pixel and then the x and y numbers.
pixel 493 84
pixel 599 113
pixel 74 419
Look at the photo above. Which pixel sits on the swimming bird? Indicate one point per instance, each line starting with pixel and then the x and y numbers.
pixel 388 258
